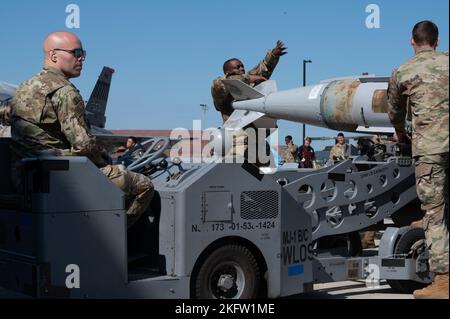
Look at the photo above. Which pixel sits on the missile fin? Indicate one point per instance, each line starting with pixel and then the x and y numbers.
pixel 241 91
pixel 267 87
pixel 376 130
pixel 241 118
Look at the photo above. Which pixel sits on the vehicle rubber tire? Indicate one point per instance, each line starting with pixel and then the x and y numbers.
pixel 233 265
pixel 403 246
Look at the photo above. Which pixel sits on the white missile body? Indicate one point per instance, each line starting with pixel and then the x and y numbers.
pixel 354 104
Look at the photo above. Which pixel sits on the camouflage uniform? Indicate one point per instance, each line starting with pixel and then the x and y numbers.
pixel 290 153
pixel 421 85
pixel 338 152
pixel 48 114
pixel 223 100
pixel 137 187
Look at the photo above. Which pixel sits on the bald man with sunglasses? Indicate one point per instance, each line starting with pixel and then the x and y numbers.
pixel 48 116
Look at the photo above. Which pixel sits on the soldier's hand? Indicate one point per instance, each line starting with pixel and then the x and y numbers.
pixel 279 49
pixel 256 79
pixel 101 157
pixel 107 158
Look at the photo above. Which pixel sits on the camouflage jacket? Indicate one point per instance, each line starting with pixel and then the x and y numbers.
pixel 290 153
pixel 339 152
pixel 223 99
pixel 421 85
pixel 48 113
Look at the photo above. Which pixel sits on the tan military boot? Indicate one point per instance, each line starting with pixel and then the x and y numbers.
pixel 368 240
pixel 437 290
pixel 417 223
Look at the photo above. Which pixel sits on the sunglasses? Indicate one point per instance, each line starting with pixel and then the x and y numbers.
pixel 77 53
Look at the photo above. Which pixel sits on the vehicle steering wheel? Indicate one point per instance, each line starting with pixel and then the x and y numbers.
pixel 151 153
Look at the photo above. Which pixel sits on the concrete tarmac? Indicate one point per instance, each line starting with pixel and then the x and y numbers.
pixel 334 290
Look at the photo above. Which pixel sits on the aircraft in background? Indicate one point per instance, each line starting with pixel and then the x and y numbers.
pixel 7 91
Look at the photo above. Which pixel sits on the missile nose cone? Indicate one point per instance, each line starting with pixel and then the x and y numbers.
pixel 349 104
pixel 256 105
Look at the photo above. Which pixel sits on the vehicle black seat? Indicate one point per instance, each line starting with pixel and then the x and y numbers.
pixel 9 199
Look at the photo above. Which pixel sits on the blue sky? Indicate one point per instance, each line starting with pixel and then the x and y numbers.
pixel 166 53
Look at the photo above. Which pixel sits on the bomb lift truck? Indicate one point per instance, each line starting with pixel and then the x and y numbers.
pixel 213 230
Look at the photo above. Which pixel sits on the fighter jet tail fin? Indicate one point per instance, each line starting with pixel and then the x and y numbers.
pixel 6 91
pixel 96 106
pixel 241 91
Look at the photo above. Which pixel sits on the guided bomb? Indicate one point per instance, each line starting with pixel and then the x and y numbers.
pixel 354 104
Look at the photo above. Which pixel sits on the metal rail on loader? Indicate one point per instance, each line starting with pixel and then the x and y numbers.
pixel 213 230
